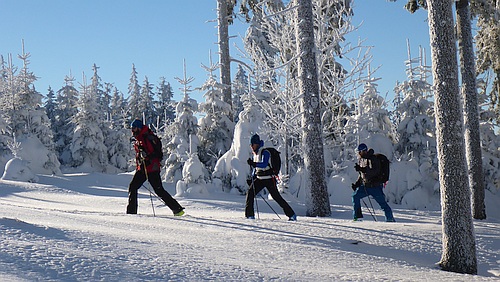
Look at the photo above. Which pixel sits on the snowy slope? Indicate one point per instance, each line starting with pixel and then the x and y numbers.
pixel 74 228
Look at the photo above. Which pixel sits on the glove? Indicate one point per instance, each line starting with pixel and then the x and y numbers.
pixel 249 182
pixel 354 186
pixel 358 168
pixel 251 163
pixel 143 155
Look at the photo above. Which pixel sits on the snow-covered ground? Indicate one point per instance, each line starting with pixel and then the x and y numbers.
pixel 74 228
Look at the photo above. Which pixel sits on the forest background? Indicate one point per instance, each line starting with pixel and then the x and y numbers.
pixel 83 125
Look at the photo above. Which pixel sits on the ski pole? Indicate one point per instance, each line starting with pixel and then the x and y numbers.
pixel 255 194
pixel 371 204
pixel 150 193
pixel 369 210
pixel 269 206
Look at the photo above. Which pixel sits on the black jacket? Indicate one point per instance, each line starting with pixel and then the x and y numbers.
pixel 369 178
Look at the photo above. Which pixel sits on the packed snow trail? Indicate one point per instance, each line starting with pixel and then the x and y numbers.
pixel 75 229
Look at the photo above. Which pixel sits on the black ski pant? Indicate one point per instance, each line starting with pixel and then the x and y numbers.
pixel 270 184
pixel 155 181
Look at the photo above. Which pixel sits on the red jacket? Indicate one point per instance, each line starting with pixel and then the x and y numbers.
pixel 142 143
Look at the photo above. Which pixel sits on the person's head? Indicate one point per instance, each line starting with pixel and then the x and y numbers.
pixel 362 149
pixel 136 126
pixel 255 142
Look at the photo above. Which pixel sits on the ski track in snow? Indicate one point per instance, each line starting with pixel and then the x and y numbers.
pixel 50 233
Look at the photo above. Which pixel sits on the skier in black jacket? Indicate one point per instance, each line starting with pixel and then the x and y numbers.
pixel 368 183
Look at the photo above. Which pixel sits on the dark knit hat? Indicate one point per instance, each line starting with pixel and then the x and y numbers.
pixel 137 123
pixel 255 139
pixel 362 147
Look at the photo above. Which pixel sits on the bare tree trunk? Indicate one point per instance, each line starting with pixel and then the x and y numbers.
pixel 317 200
pixel 459 247
pixel 225 59
pixel 469 96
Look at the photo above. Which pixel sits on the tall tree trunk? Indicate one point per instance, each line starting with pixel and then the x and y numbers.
pixel 469 96
pixel 317 200
pixel 225 59
pixel 459 248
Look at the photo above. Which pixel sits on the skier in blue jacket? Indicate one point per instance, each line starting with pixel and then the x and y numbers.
pixel 263 177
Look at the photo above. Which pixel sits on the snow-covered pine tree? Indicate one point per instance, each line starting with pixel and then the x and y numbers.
pixel 216 129
pixel 31 123
pixel 105 101
pixel 134 96
pixel 67 100
pixel 370 121
pixel 51 106
pixel 118 108
pixel 146 106
pixel 416 143
pixel 459 248
pixel 120 152
pixel 241 86
pixel 96 88
pixel 164 104
pixel 184 129
pixel 87 147
pixel 4 129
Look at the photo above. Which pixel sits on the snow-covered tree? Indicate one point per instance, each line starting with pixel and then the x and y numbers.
pixel 134 96
pixel 459 248
pixel 317 202
pixel 51 106
pixel 241 86
pixel 471 119
pixel 215 127
pixel 164 104
pixel 28 119
pixel 414 112
pixel 224 18
pixel 415 146
pixel 488 46
pixel 105 101
pixel 146 106
pixel 118 107
pixel 231 170
pixel 67 99
pixel 87 147
pixel 369 121
pixel 120 152
pixel 184 131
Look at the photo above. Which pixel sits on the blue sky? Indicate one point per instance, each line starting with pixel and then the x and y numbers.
pixel 157 35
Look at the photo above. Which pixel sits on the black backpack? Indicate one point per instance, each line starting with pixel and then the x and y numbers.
pixel 275 160
pixel 384 168
pixel 156 142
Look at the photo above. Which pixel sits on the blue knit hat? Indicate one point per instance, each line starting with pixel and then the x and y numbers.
pixel 255 139
pixel 362 147
pixel 137 123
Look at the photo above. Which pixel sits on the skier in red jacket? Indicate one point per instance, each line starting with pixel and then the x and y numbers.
pixel 148 168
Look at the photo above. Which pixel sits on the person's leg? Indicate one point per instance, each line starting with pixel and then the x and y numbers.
pixel 155 181
pixel 134 185
pixel 270 184
pixel 378 194
pixel 253 190
pixel 357 195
